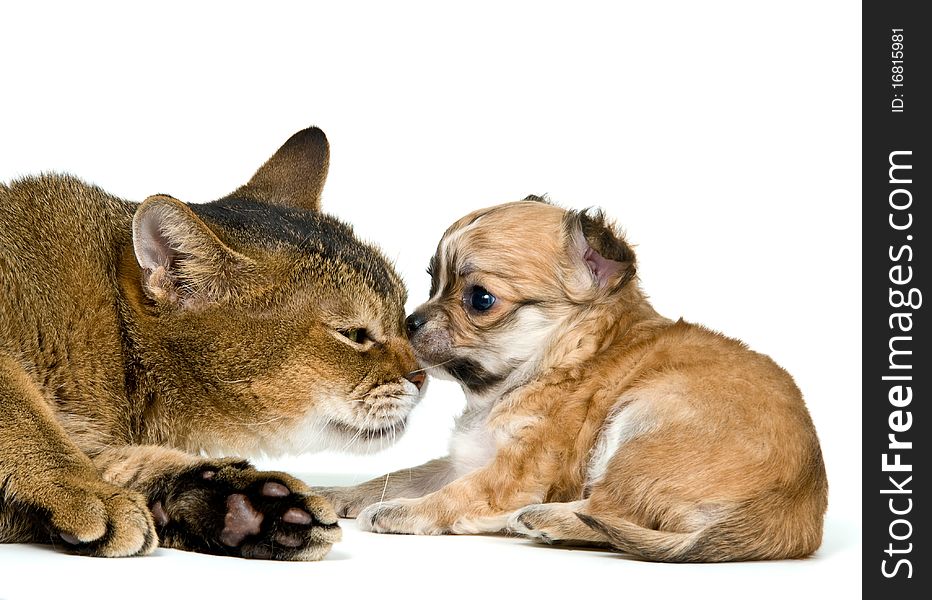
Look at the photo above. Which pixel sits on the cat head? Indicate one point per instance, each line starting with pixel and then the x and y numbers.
pixel 276 329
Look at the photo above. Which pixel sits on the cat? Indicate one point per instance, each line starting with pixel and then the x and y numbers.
pixel 138 339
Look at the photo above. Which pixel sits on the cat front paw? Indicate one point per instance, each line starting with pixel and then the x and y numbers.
pixel 229 508
pixel 98 519
pixel 403 515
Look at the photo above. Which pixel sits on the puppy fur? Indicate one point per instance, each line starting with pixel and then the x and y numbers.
pixel 590 418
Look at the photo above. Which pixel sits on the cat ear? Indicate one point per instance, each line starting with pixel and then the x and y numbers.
pixel 294 177
pixel 183 262
pixel 600 257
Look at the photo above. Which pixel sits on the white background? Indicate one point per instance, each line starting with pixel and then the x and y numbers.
pixel 725 137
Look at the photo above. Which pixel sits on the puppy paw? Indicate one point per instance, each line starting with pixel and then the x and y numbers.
pixel 98 519
pixel 227 507
pixel 347 502
pixel 531 521
pixel 396 516
pixel 556 523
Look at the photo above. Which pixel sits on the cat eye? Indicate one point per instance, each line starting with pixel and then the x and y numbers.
pixel 357 336
pixel 481 299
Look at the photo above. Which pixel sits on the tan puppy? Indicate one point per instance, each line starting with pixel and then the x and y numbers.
pixel 591 418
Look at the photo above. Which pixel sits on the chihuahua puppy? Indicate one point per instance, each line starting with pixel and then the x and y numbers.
pixel 591 419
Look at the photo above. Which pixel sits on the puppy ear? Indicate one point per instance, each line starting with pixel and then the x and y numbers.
pixel 600 256
pixel 294 177
pixel 183 262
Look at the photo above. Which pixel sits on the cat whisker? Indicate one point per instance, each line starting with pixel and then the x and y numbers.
pixel 390 437
pixel 384 488
pixel 352 440
pixel 317 426
pixel 222 380
pixel 258 423
pixel 440 364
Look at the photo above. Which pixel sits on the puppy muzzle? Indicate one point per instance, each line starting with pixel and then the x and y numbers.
pixel 432 346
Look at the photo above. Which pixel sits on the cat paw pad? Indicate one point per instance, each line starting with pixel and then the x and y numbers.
pixel 237 510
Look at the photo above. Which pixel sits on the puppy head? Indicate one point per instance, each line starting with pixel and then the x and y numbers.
pixel 505 281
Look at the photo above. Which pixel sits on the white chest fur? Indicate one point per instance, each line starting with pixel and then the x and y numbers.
pixel 471 448
pixel 472 445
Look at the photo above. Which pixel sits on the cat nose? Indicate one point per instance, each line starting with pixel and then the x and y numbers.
pixel 414 322
pixel 417 378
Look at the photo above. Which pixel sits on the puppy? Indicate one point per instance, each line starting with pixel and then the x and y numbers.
pixel 591 419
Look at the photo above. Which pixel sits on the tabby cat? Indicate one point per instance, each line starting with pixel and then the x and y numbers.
pixel 136 340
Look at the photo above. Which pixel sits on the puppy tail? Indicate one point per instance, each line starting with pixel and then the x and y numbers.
pixel 658 546
pixel 744 534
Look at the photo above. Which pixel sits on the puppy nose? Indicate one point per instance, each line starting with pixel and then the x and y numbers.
pixel 417 378
pixel 414 322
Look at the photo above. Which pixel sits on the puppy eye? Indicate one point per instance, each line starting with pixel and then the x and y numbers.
pixel 357 336
pixel 481 299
